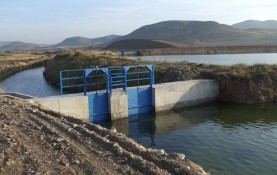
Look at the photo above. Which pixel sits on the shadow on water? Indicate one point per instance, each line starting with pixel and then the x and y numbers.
pixel 150 125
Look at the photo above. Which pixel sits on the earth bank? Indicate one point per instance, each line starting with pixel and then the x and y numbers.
pixel 39 141
pixel 238 83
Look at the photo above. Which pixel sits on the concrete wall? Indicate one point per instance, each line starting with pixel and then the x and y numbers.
pixel 118 105
pixel 172 95
pixel 73 105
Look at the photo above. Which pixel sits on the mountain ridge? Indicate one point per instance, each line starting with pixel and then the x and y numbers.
pixel 202 33
pixel 191 33
pixel 248 24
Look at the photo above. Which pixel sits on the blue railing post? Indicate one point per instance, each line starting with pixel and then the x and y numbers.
pixel 85 82
pixel 152 76
pixel 61 82
pixel 125 79
pixel 110 82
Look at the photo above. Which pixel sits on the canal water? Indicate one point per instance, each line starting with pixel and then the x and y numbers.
pixel 222 138
pixel 30 82
pixel 226 59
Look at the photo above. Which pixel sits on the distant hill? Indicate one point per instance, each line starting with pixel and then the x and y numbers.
pixel 78 42
pixel 201 33
pixel 137 44
pixel 269 24
pixel 20 46
pixel 104 40
pixel 4 43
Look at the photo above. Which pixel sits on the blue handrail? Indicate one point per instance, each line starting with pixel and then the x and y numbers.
pixel 116 76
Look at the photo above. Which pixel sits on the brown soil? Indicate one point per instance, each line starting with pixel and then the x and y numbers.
pixel 38 141
pixel 247 88
pixel 259 89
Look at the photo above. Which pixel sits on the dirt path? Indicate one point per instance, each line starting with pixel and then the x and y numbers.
pixel 37 141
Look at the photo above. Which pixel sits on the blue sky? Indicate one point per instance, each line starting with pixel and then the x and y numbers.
pixel 51 21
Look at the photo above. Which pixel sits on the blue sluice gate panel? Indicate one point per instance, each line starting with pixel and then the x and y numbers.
pixel 139 101
pixel 98 107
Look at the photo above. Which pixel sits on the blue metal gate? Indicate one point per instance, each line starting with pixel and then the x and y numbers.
pixel 97 99
pixel 89 80
pixel 139 97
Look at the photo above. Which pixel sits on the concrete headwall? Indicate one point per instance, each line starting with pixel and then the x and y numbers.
pixel 172 95
pixel 74 105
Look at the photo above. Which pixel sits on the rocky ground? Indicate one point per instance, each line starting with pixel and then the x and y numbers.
pixel 37 141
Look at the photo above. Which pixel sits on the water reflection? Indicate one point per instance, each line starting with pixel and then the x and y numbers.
pixel 231 115
pixel 217 136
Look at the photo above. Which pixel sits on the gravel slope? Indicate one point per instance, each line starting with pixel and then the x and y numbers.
pixel 37 141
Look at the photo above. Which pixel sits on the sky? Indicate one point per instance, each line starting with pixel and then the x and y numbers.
pixel 51 21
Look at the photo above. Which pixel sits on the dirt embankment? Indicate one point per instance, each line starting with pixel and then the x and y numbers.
pixel 38 141
pixel 259 89
pixel 237 84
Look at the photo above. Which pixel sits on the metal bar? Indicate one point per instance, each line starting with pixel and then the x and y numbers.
pixel 78 85
pixel 117 77
pixel 91 84
pixel 115 74
pixel 61 83
pixel 137 78
pixel 96 81
pixel 121 84
pixel 72 78
pixel 75 70
pixel 124 80
pixel 110 82
pixel 119 81
pixel 153 75
pixel 140 79
pixel 85 82
pixel 96 76
pixel 134 73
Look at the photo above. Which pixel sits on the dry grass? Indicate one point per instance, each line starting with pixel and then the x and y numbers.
pixel 11 63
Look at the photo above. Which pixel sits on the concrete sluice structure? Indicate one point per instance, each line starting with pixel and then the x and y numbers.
pixel 165 96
